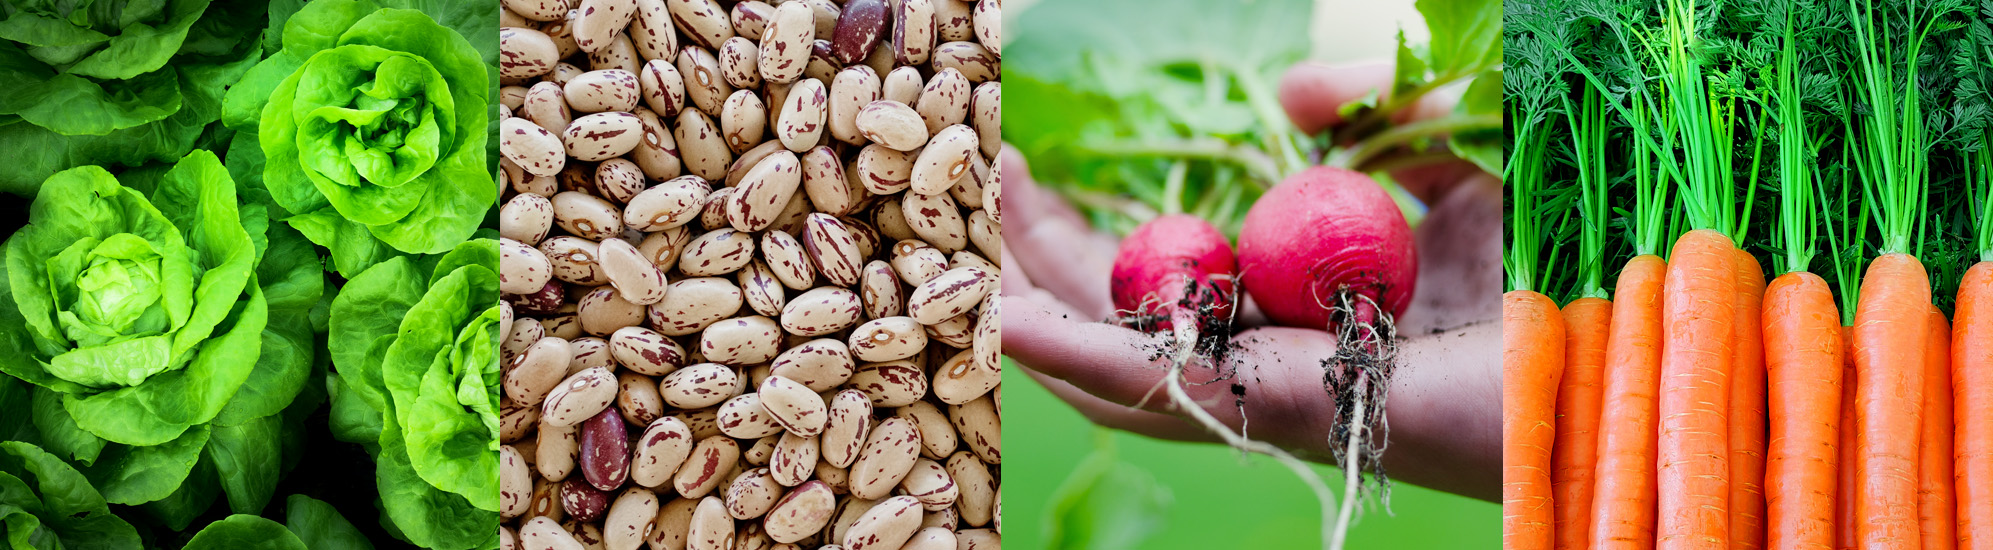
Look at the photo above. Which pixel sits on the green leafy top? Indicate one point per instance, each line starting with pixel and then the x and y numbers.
pixel 379 115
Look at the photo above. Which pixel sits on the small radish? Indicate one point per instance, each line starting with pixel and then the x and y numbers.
pixel 1320 233
pixel 1174 265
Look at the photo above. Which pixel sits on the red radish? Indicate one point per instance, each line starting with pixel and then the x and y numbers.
pixel 1321 232
pixel 1154 271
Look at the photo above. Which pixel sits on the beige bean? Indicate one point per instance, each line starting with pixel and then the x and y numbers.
pixel 799 410
pixel 515 482
pixel 657 153
pixel 603 310
pixel 917 262
pixel 525 53
pixel 956 332
pixel 821 311
pixel 930 483
pixel 574 260
pixel 839 479
pixel 537 10
pixel 974 60
pixel 515 421
pixel 935 219
pixel 980 427
pixel 522 269
pixel 892 124
pixel 555 451
pixel 937 436
pixel 702 472
pixel 968 191
pixel 913 32
pixel 702 21
pixel 587 216
pixel 747 161
pixel 848 427
pixel 945 100
pixel 764 191
pixel 537 371
pixel 531 147
pixel 602 136
pixel 564 72
pixel 619 180
pixel 543 533
pixel 788 260
pixel 752 494
pixel 667 205
pixel 889 524
pixel 545 104
pixel 758 455
pixel 932 538
pixel 763 293
pixel 699 386
pixel 705 86
pixel 823 61
pixel 662 86
pixel 985 234
pixel 801 123
pixel 945 159
pixel 579 397
pixel 986 114
pixel 743 120
pixel 652 31
pixel 879 291
pixel 589 352
pixel 989 23
pixel 629 519
pixel 674 521
pixel 717 252
pixel 634 276
pixel 987 341
pixel 744 417
pixel 738 59
pixel 795 459
pixel 693 304
pixel 700 145
pixel 851 90
pixel 598 91
pixel 887 339
pixel 600 21
pixel 786 42
pixel 664 446
pixel 950 294
pixel 801 513
pixel 903 85
pixel 750 18
pixel 831 246
pixel 713 214
pixel 637 398
pixel 882 170
pixel 711 528
pixel 741 341
pixel 895 383
pixel 953 20
pixel 820 364
pixel 978 488
pixel 646 352
pixel 825 181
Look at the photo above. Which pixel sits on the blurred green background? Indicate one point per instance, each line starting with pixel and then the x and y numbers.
pixel 1097 89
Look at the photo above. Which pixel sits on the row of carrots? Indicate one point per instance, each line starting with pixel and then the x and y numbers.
pixel 1704 409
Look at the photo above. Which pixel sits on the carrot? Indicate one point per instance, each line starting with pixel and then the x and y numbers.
pixel 1532 363
pixel 1623 497
pixel 1972 407
pixel 1747 408
pixel 1890 322
pixel 1934 470
pixel 1844 490
pixel 1804 355
pixel 1575 455
pixel 1694 471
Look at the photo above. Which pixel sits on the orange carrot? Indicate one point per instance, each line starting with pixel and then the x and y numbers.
pixel 1747 408
pixel 1890 322
pixel 1844 490
pixel 1699 312
pixel 1623 494
pixel 1972 407
pixel 1532 362
pixel 1804 355
pixel 1934 471
pixel 1575 454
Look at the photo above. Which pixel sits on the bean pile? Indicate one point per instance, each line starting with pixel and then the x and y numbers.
pixel 749 262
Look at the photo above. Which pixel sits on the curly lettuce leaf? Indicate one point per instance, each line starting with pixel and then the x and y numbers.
pixel 45 503
pixel 245 532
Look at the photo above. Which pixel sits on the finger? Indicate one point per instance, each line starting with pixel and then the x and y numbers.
pixel 1445 432
pixel 1054 246
pixel 1121 417
pixel 1431 182
pixel 1313 92
pixel 1459 248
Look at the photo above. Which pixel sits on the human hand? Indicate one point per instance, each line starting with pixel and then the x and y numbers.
pixel 1444 396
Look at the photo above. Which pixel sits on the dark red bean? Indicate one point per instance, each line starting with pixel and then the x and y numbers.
pixel 859 29
pixel 605 450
